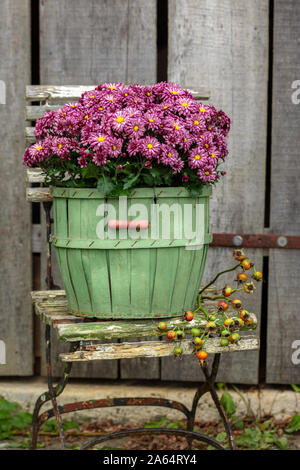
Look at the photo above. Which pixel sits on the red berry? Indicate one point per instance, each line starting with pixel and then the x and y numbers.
pixel 239 255
pixel 222 306
pixel 229 322
pixel 244 315
pixel 246 264
pixel 236 304
pixel 198 341
pixel 189 315
pixel 201 355
pixel 226 291
pixel 171 334
pixel 257 275
pixel 162 325
pixel 241 277
pixel 234 337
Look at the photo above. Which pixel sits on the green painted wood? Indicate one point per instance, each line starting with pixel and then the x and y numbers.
pixel 114 282
pixel 121 329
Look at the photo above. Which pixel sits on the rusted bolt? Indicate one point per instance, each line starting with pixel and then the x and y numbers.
pixel 282 242
pixel 237 240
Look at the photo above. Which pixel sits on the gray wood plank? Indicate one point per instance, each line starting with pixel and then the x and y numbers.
pixel 283 305
pixel 225 46
pixel 93 42
pixel 16 321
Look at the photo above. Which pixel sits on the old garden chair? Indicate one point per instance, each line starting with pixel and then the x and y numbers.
pixel 85 337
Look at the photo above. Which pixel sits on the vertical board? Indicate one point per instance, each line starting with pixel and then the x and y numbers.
pixel 283 352
pixel 224 46
pixel 16 319
pixel 82 43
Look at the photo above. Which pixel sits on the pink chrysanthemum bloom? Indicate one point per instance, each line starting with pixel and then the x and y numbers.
pixel 118 120
pixel 114 146
pixel 153 121
pixel 134 127
pixel 162 123
pixel 61 146
pixel 223 123
pixel 184 106
pixel 99 158
pixel 98 141
pixel 177 165
pixel 196 124
pixel 39 151
pixel 206 144
pixel 197 158
pixel 168 154
pixel 172 90
pixel 149 147
pixel 82 161
pixel 207 174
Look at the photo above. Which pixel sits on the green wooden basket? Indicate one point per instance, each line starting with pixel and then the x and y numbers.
pixel 125 277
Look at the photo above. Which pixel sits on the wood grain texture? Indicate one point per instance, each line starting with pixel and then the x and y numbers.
pixel 16 325
pixel 53 93
pixel 153 349
pixel 225 46
pixel 117 42
pixel 98 41
pixel 283 304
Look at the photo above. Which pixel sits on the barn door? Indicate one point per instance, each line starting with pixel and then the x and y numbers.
pixel 16 319
pixel 84 43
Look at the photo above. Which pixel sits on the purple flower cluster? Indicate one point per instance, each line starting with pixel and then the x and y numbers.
pixel 160 125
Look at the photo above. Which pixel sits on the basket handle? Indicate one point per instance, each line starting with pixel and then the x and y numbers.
pixel 137 224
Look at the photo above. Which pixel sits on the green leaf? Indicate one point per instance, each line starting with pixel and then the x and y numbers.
pixel 105 185
pixel 296 388
pixel 4 415
pixel 129 182
pixel 228 404
pixel 294 424
pixel 282 443
pixel 70 425
pixel 8 405
pixel 156 424
pixel 237 422
pixel 90 172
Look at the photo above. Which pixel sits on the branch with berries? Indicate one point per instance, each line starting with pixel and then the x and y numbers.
pixel 227 317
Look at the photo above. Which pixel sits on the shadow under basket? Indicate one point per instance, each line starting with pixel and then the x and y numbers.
pixel 131 274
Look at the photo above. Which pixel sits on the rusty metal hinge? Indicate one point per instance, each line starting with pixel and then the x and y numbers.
pixel 263 240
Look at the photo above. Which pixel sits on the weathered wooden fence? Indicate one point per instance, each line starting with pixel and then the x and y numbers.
pixel 247 54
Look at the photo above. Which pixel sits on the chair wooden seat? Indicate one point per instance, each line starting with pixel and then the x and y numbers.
pixel 52 309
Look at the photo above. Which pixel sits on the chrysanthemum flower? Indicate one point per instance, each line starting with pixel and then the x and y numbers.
pixel 135 127
pixel 119 120
pixel 150 125
pixel 197 158
pixel 206 144
pixel 61 146
pixel 98 141
pixel 133 147
pixel 207 174
pixel 39 151
pixel 99 158
pixel 149 147
pixel 184 106
pixel 113 146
